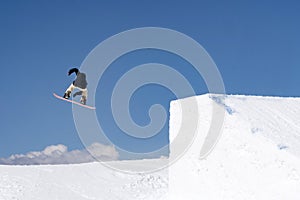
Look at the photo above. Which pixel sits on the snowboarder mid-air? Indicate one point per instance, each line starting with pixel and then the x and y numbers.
pixel 80 83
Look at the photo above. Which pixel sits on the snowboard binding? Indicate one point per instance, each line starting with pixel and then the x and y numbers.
pixel 67 95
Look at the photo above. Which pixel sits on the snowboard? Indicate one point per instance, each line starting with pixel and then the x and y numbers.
pixel 74 102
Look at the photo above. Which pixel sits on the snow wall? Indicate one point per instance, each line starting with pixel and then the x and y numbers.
pixel 257 155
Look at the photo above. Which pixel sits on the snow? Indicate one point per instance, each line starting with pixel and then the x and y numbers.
pixel 80 182
pixel 256 157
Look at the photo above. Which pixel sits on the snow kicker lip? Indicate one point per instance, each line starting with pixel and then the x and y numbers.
pixel 99 59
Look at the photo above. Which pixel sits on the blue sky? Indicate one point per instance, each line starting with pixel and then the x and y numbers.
pixel 255 45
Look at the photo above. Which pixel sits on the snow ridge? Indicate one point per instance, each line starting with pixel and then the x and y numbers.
pixel 257 156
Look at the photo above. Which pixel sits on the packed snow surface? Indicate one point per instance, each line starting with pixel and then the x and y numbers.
pixel 257 156
pixel 80 182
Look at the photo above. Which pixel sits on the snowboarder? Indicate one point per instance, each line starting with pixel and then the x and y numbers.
pixel 79 83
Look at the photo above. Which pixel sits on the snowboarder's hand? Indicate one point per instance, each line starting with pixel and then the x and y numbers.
pixel 69 73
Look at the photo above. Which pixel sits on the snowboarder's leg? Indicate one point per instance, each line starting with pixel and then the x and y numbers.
pixel 69 91
pixel 77 93
pixel 84 96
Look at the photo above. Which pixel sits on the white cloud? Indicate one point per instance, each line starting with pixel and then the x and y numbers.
pixel 59 154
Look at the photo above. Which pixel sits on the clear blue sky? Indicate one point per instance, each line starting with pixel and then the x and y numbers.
pixel 255 45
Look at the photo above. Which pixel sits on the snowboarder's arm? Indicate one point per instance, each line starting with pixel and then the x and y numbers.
pixel 72 71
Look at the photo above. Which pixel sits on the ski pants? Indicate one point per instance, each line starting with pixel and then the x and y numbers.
pixel 84 92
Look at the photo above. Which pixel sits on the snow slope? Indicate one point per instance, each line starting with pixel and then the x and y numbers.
pixel 80 182
pixel 256 157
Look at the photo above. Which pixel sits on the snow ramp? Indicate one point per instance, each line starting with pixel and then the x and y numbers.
pixel 257 155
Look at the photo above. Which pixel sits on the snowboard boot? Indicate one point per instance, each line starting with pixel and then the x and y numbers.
pixel 83 100
pixel 67 94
